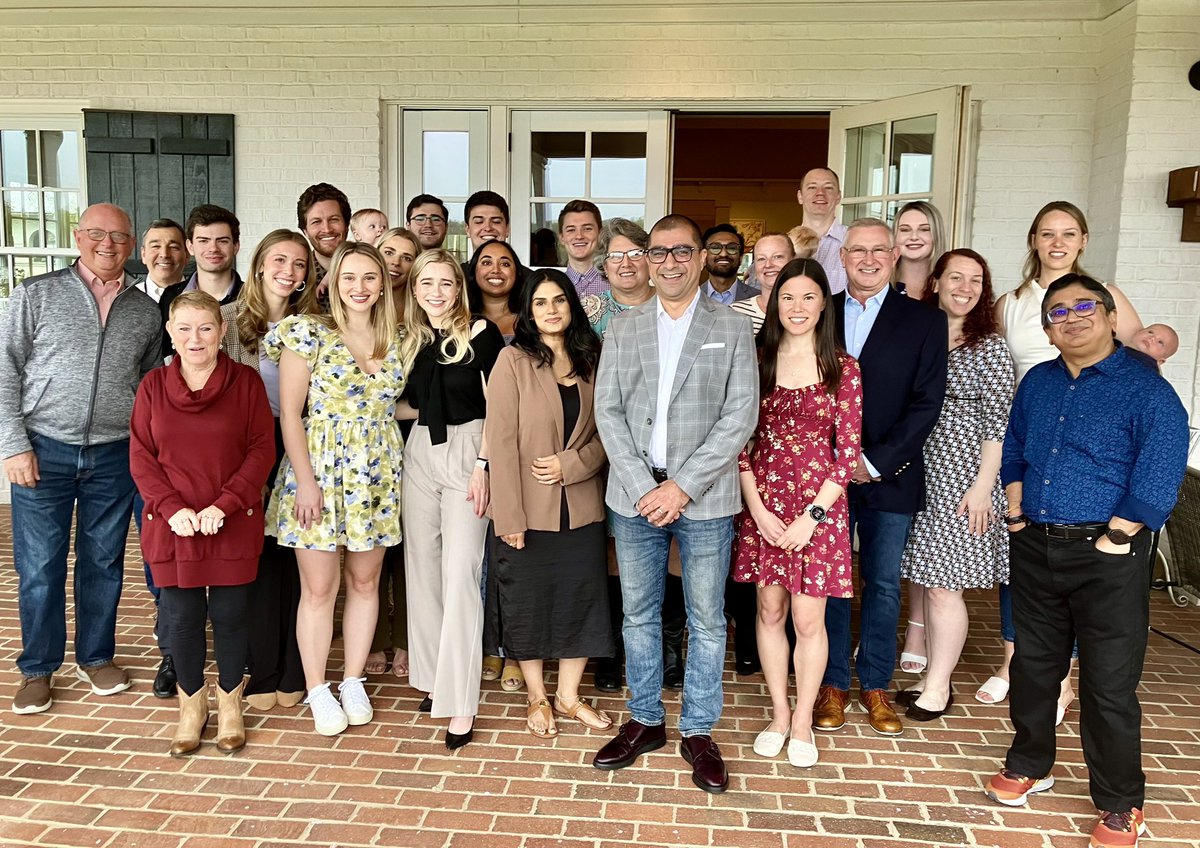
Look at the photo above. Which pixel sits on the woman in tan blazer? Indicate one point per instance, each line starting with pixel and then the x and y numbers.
pixel 281 283
pixel 547 508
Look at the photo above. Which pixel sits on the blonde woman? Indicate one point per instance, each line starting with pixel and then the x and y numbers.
pixel 400 248
pixel 448 355
pixel 918 233
pixel 281 283
pixel 338 488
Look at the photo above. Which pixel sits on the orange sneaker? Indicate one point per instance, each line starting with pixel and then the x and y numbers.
pixel 1011 789
pixel 1118 830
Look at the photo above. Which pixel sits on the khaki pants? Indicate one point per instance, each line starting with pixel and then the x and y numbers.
pixel 443 563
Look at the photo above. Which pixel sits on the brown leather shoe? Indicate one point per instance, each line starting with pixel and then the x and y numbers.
pixel 883 718
pixel 829 713
pixel 631 741
pixel 708 769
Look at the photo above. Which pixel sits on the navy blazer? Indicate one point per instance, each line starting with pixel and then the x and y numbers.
pixel 903 367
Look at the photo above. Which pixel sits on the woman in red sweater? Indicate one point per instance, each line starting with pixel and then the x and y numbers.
pixel 201 447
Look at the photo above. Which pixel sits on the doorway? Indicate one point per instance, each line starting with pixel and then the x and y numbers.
pixel 745 169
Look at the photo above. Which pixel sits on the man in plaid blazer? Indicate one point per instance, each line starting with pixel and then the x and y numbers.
pixel 676 400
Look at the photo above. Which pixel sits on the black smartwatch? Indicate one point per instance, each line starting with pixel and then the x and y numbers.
pixel 817 513
pixel 1118 537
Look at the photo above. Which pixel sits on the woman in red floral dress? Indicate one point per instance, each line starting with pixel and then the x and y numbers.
pixel 793 535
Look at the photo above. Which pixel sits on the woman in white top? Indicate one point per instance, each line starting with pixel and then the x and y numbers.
pixel 918 233
pixel 771 252
pixel 1056 241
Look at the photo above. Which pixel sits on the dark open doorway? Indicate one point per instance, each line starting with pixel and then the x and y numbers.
pixel 745 168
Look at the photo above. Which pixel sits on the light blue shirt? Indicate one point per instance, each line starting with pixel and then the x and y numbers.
pixel 860 318
pixel 725 297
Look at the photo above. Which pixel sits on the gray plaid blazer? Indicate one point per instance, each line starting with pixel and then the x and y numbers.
pixel 713 411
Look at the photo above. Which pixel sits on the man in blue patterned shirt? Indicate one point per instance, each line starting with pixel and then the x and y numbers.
pixel 1093 459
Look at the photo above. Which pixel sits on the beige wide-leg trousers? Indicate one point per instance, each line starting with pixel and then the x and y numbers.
pixel 443 563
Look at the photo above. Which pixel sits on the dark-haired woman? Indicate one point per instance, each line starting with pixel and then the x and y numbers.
pixel 548 540
pixel 957 542
pixel 281 283
pixel 793 535
pixel 493 285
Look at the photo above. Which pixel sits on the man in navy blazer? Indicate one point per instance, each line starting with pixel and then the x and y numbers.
pixel 901 346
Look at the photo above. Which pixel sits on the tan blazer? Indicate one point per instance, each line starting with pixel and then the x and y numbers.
pixel 524 422
pixel 232 343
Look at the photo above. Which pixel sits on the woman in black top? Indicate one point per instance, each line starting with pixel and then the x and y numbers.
pixel 447 355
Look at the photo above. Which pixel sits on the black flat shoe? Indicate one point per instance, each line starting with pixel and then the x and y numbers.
pixel 459 740
pixel 904 697
pixel 608 674
pixel 747 666
pixel 921 714
pixel 165 680
pixel 426 705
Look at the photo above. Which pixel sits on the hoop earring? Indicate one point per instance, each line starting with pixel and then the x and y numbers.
pixel 301 287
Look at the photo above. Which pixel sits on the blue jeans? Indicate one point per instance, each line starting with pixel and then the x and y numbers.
pixel 881 539
pixel 160 619
pixel 704 549
pixel 94 481
pixel 1007 632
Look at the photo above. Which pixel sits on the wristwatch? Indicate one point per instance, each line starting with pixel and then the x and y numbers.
pixel 1011 520
pixel 1118 537
pixel 817 513
pixel 482 463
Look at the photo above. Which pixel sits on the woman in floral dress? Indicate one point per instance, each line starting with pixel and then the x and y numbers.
pixel 793 535
pixel 339 485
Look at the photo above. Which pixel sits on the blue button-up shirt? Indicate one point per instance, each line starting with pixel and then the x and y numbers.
pixel 859 319
pixel 1111 442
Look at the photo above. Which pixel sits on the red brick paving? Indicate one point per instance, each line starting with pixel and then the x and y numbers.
pixel 94 772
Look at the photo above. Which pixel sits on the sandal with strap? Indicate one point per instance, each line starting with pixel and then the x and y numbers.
pixel 584 713
pixel 913 663
pixel 541 709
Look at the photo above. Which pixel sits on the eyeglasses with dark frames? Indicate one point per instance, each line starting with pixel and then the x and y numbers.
pixel 716 249
pixel 681 252
pixel 98 234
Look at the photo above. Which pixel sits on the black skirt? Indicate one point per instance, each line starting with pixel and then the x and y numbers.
pixel 549 600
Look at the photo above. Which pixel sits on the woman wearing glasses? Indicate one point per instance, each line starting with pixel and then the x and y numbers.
pixel 1056 241
pixel 771 252
pixel 621 258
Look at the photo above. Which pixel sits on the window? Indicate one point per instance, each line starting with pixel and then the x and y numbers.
pixel 41 171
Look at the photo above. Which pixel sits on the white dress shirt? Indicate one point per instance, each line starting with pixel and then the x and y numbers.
pixel 671 335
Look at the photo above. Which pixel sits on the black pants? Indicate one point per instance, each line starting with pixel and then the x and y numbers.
pixel 1065 591
pixel 187 610
pixel 275 598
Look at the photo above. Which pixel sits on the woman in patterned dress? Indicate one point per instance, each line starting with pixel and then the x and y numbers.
pixel 793 535
pixel 339 485
pixel 957 542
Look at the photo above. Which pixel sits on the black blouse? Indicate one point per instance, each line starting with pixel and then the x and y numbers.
pixel 446 394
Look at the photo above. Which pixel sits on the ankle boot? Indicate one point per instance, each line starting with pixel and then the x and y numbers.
pixel 193 713
pixel 674 622
pixel 231 733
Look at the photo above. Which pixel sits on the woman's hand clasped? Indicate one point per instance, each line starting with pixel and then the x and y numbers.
pixel 770 525
pixel 308 504
pixel 211 520
pixel 514 540
pixel 797 535
pixel 184 523
pixel 547 470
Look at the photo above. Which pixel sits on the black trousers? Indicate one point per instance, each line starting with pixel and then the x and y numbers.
pixel 1065 591
pixel 187 611
pixel 274 655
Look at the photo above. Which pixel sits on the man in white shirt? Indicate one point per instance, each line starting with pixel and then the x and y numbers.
pixel 819 195
pixel 164 256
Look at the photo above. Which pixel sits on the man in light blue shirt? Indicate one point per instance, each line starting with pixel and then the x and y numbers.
pixel 820 193
pixel 723 249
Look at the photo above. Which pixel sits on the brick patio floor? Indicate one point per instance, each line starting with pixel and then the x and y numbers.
pixel 94 771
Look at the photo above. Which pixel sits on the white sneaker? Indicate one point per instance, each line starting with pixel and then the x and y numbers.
pixel 328 718
pixel 355 703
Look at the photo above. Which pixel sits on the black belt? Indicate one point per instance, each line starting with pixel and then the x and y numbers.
pixel 659 475
pixel 1071 532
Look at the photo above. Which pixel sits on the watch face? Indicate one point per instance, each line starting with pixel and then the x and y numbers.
pixel 817 513
pixel 1119 537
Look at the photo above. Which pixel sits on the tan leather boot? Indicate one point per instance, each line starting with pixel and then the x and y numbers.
pixel 231 733
pixel 193 713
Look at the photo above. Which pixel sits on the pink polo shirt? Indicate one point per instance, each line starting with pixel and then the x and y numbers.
pixel 104 291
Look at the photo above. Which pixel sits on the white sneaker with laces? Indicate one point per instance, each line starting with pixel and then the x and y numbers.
pixel 328 717
pixel 355 703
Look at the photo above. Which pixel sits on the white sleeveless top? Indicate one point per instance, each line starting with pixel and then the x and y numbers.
pixel 1023 329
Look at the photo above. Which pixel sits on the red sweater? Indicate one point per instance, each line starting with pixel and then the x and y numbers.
pixel 214 447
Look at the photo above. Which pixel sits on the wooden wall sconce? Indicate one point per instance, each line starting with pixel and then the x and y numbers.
pixel 1183 192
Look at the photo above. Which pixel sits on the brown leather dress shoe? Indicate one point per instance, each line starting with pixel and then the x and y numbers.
pixel 829 713
pixel 883 718
pixel 631 741
pixel 708 769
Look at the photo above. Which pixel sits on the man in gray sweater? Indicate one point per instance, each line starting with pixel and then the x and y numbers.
pixel 74 344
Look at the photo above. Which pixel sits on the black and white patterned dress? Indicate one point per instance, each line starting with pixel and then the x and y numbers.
pixel 941 551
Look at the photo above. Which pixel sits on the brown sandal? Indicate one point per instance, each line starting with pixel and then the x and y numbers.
pixel 541 709
pixel 584 713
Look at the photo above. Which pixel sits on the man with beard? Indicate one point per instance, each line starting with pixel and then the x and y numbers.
pixel 723 249
pixel 323 214
pixel 428 219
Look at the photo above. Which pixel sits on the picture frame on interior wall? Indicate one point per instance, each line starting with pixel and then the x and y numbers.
pixel 752 229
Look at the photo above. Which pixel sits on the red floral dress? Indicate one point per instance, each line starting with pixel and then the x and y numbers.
pixel 792 456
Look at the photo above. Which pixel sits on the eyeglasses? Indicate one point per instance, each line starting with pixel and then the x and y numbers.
pixel 681 252
pixel 1060 314
pixel 423 219
pixel 619 255
pixel 714 249
pixel 860 253
pixel 99 235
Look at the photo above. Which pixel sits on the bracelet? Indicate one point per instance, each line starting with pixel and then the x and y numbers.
pixel 1012 520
